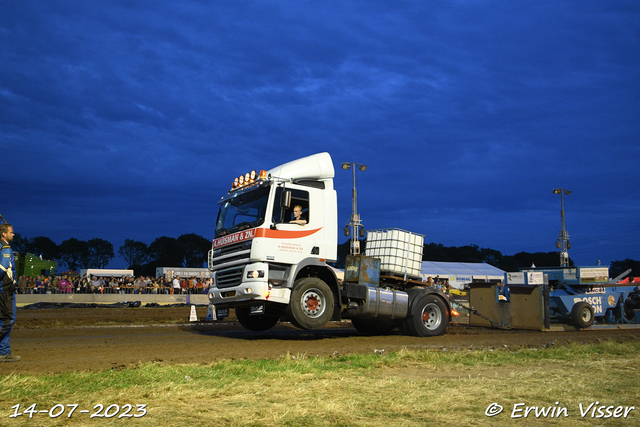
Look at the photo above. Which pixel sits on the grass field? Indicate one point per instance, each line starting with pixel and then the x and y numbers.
pixel 534 386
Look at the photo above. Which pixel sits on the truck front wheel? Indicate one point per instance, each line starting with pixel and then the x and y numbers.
pixel 311 304
pixel 256 323
pixel 428 317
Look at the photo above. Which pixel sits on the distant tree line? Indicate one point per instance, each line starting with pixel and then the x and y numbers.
pixel 474 253
pixel 619 267
pixel 188 250
pixel 191 250
pixel 76 254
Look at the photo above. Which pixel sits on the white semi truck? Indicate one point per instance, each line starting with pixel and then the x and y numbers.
pixel 266 267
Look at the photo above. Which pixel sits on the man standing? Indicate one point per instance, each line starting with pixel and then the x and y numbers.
pixel 23 283
pixel 7 293
pixel 95 285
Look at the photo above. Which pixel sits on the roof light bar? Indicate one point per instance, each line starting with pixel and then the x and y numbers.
pixel 248 179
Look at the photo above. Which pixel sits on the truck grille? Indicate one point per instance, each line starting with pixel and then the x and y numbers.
pixel 229 277
pixel 230 253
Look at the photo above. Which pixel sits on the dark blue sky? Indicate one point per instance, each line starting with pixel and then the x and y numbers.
pixel 129 119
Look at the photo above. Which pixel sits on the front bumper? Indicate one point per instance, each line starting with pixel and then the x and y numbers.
pixel 248 292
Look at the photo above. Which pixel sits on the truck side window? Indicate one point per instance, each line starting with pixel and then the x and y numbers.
pixel 298 198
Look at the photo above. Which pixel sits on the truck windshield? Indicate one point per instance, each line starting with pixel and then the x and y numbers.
pixel 242 210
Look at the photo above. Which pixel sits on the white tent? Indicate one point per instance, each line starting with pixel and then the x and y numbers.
pixel 460 273
pixel 105 272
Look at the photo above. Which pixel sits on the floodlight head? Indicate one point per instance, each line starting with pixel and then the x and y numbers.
pixel 346 166
pixel 362 168
pixel 560 190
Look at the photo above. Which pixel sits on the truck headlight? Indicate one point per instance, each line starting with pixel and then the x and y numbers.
pixel 255 274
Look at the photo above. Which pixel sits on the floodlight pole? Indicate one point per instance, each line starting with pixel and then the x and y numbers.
pixel 355 223
pixel 563 237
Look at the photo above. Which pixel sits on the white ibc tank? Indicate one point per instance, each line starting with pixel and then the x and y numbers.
pixel 400 251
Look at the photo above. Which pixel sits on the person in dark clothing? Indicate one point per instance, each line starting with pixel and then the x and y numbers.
pixel 7 293
pixel 298 217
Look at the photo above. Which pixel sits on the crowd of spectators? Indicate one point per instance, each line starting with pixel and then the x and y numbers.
pixel 69 283
pixel 438 283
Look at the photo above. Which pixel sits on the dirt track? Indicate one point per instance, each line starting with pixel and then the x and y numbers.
pixel 78 339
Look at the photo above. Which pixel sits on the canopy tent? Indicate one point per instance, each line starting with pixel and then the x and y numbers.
pixel 105 272
pixel 460 273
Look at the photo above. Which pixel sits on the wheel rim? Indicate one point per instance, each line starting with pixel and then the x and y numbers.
pixel 431 316
pixel 312 303
pixel 586 315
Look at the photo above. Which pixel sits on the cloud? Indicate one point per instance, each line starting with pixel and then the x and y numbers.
pixel 137 116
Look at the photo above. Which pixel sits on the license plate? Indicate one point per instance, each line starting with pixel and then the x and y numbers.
pixel 256 309
pixel 222 312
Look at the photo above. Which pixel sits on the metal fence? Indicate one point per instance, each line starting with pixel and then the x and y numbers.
pixel 150 290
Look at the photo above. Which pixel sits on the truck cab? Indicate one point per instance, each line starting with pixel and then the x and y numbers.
pixel 257 253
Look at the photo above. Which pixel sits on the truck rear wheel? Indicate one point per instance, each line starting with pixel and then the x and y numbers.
pixel 256 323
pixel 311 304
pixel 428 317
pixel 582 315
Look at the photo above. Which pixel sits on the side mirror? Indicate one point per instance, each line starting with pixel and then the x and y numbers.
pixel 285 199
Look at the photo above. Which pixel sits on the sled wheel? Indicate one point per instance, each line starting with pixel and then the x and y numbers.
pixel 582 315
